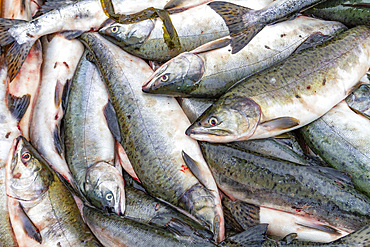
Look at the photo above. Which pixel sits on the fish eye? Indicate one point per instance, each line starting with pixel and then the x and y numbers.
pixel 114 29
pixel 213 121
pixel 109 196
pixel 165 77
pixel 26 156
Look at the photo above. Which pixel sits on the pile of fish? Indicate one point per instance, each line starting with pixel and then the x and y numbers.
pixel 185 123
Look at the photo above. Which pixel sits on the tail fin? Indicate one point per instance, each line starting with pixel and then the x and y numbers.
pixel 254 236
pixel 236 17
pixel 15 53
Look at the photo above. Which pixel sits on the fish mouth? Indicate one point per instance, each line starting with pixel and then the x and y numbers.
pixel 221 136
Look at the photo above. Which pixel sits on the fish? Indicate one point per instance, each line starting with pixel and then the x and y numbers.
pixel 350 13
pixel 270 147
pixel 244 23
pixel 290 94
pixel 340 137
pixel 113 230
pixel 152 141
pixel 88 141
pixel 145 39
pixel 210 70
pixel 74 17
pixel 61 57
pixel 321 200
pixel 42 210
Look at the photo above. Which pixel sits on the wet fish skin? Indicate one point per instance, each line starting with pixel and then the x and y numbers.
pixel 341 138
pixel 286 186
pixel 46 202
pixel 290 94
pixel 141 118
pixel 209 71
pixel 89 143
pixel 244 23
pixel 350 13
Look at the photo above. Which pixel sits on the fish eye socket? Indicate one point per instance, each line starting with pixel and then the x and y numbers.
pixel 26 157
pixel 165 77
pixel 114 29
pixel 109 196
pixel 213 121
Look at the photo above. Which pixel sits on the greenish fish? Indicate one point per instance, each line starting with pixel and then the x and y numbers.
pixel 290 94
pixel 42 210
pixel 329 203
pixel 287 148
pixel 341 137
pixel 209 71
pixel 89 143
pixel 349 12
pixel 152 140
pixel 194 27
pixel 244 23
pixel 113 230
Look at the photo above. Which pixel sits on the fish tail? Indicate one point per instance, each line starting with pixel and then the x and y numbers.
pixel 253 236
pixel 15 53
pixel 236 18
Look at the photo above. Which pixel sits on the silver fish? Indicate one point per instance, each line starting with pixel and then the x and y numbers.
pixel 89 144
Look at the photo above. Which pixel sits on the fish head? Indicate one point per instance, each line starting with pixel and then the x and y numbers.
pixel 229 119
pixel 27 174
pixel 177 77
pixel 128 34
pixel 104 187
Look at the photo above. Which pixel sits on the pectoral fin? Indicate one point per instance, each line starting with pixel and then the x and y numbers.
pixel 254 236
pixel 213 45
pixel 18 105
pixel 111 118
pixel 281 123
pixel 194 168
pixel 320 226
pixel 29 227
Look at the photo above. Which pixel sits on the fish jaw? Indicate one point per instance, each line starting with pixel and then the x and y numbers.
pixel 104 186
pixel 232 119
pixel 177 77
